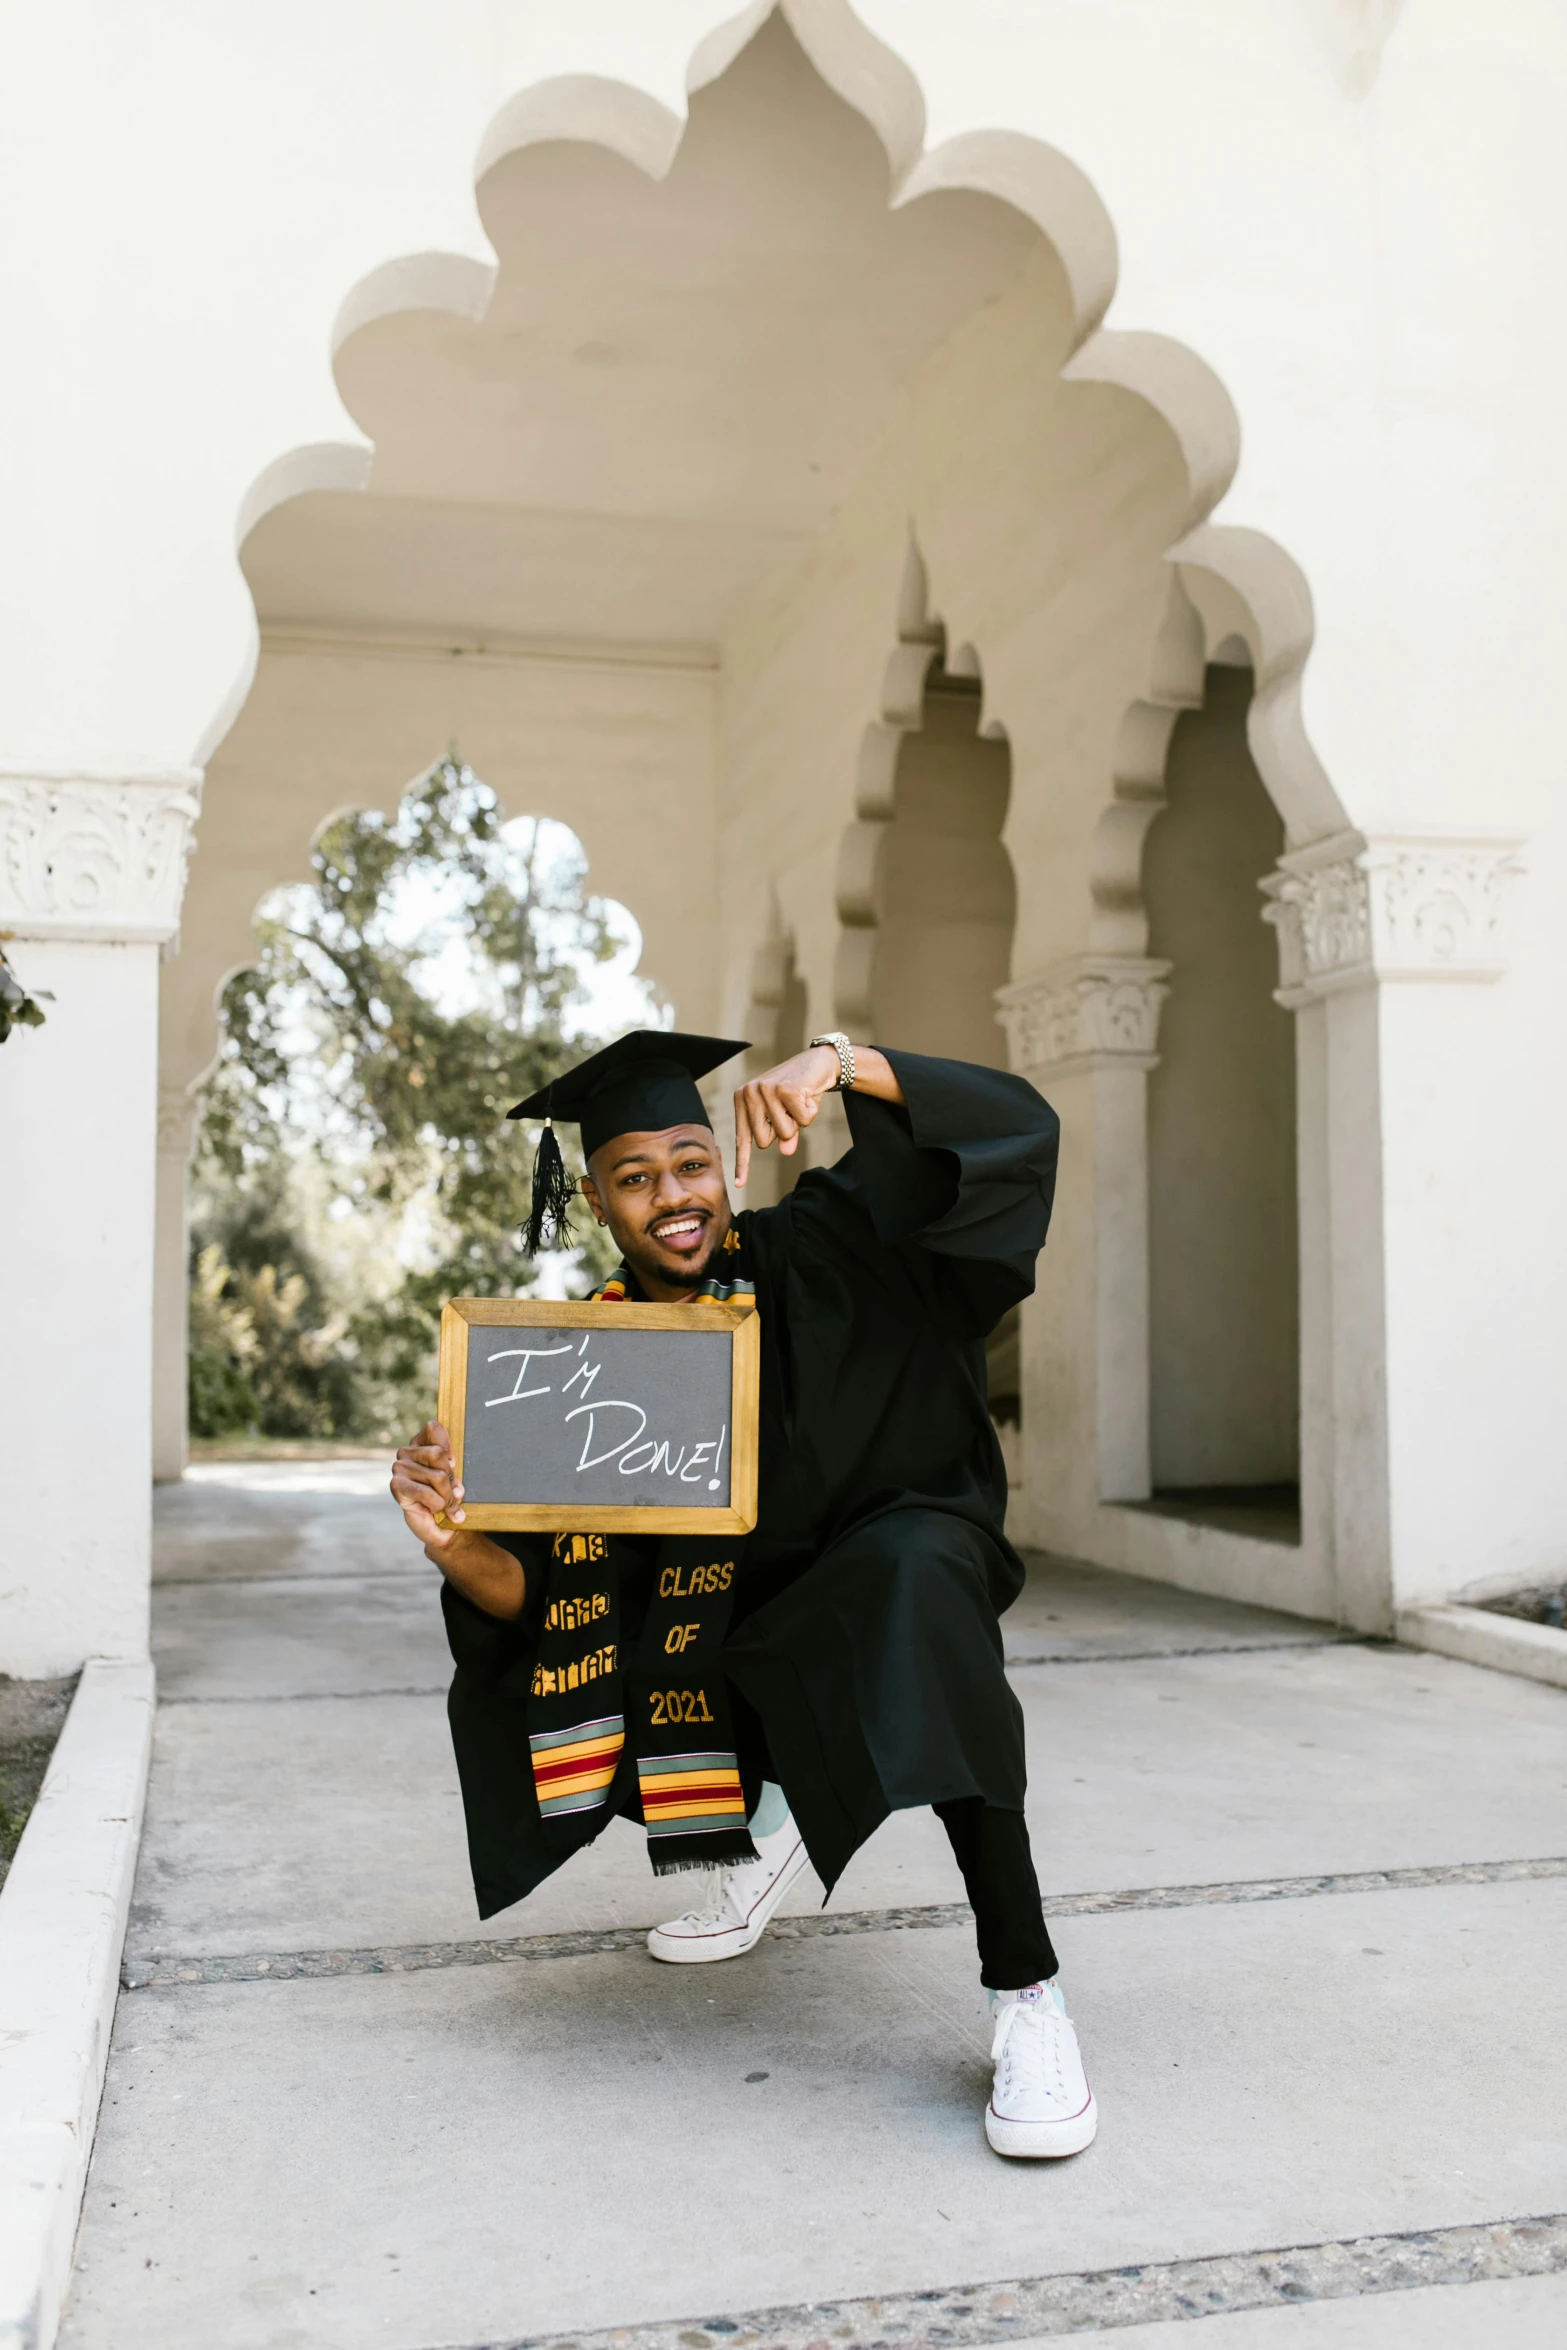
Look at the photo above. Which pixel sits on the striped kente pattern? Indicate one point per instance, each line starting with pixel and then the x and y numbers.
pixel 737 1290
pixel 572 1768
pixel 690 1794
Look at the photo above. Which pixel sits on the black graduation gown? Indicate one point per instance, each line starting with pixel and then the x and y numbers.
pixel 864 1655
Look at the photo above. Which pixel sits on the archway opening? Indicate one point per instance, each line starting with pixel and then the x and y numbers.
pixel 354 1165
pixel 635 517
pixel 945 898
pixel 943 905
pixel 1224 1402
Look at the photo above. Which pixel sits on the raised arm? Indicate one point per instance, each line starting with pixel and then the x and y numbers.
pixel 951 1156
pixel 967 1165
pixel 777 1106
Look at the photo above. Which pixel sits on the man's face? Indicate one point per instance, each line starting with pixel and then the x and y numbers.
pixel 664 1200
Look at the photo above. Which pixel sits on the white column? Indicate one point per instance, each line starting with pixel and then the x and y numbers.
pixel 177 1118
pixel 1358 917
pixel 91 876
pixel 1085 1031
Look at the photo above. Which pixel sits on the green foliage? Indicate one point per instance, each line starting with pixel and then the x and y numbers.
pixel 222 1342
pixel 356 1168
pixel 266 1350
pixel 18 1009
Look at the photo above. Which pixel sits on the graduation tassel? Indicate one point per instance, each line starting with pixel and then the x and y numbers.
pixel 549 1221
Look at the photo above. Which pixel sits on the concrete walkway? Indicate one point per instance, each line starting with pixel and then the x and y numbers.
pixel 1322 2007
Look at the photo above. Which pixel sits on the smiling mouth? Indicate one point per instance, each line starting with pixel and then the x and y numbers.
pixel 676 1231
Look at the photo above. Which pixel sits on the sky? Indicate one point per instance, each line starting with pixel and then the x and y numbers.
pixel 615 997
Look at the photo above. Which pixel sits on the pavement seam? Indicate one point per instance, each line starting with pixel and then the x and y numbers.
pixel 1117 1656
pixel 409 1575
pixel 303 1696
pixel 965 2317
pixel 292 1966
pixel 1132 1656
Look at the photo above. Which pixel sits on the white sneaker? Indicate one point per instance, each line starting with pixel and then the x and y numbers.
pixel 1041 2103
pixel 742 1900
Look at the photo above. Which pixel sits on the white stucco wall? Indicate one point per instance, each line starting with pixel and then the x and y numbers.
pixel 76 1254
pixel 1365 261
pixel 1364 241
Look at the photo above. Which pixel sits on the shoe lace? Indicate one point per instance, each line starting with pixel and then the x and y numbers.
pixel 1029 2046
pixel 711 1908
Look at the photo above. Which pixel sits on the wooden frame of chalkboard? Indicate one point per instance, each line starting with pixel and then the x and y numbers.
pixel 462 1314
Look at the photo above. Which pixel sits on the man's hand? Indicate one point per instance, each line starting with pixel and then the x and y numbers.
pixel 780 1104
pixel 425 1487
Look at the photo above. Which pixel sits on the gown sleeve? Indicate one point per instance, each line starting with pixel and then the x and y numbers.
pixel 488 1646
pixel 964 1168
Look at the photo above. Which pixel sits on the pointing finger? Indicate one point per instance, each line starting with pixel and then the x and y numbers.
pixel 756 1111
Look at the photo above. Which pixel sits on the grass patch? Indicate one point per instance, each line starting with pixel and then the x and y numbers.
pixel 32 1714
pixel 1541 1604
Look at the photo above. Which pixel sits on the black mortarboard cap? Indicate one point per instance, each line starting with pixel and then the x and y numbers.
pixel 641 1084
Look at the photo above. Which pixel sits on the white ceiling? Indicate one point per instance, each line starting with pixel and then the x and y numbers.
pixel 476 575
pixel 675 384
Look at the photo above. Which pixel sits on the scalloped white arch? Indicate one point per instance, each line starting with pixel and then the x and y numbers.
pixel 453 282
pixel 1238 581
pixel 861 69
pixel 899 706
pixel 318 465
pixel 592 110
pixel 384 803
pixel 1244 584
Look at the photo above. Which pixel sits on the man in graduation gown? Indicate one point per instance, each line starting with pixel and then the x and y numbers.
pixel 851 1660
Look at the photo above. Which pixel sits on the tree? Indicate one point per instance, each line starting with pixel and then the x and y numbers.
pixel 433 970
pixel 266 1347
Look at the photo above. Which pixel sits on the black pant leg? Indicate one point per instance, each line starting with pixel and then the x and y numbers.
pixel 991 1848
pixel 879 1678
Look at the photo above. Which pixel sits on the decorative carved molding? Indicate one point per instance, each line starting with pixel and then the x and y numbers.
pixel 87 858
pixel 1091 1012
pixel 1353 910
pixel 179 1115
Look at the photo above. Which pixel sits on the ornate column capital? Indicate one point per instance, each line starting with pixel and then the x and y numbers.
pixel 1357 909
pixel 89 857
pixel 1089 1012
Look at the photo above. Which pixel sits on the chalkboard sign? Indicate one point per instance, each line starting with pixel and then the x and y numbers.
pixel 602 1419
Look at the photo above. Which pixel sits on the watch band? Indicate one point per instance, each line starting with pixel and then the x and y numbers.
pixel 845 1052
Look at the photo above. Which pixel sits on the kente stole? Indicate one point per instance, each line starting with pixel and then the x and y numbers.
pixel 670 1706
